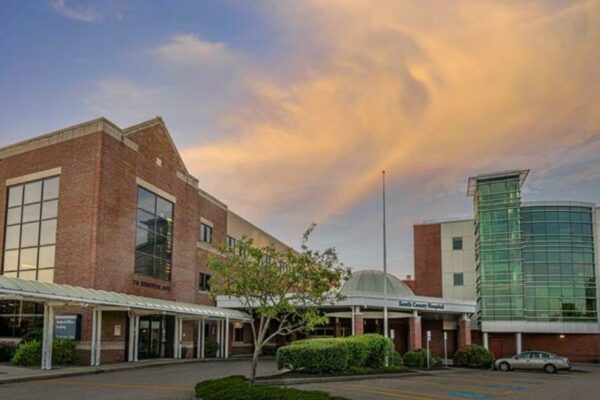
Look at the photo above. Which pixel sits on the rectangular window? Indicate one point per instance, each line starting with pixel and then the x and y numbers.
pixel 231 242
pixel 154 235
pixel 458 279
pixel 206 233
pixel 204 282
pixel 457 243
pixel 238 335
pixel 30 230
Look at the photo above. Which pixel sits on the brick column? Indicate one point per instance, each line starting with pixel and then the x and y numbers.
pixel 414 332
pixel 338 328
pixel 358 322
pixel 464 331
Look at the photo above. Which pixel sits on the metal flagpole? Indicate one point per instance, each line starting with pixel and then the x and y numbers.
pixel 385 297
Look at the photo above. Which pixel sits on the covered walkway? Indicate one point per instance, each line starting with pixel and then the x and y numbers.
pixel 53 295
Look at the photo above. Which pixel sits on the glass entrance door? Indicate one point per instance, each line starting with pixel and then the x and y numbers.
pixel 151 337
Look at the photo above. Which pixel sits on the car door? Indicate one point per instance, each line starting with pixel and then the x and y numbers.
pixel 536 361
pixel 521 361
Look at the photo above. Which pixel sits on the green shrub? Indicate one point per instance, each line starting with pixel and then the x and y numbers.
pixel 418 359
pixel 474 356
pixel 30 353
pixel 210 347
pixel 63 352
pixel 392 369
pixel 7 351
pixel 33 334
pixel 238 388
pixel 336 356
pixel 396 359
pixel 317 356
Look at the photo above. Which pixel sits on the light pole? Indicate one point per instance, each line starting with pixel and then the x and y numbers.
pixel 385 306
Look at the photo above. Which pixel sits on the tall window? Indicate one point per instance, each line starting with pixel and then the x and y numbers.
pixel 206 233
pixel 154 236
pixel 231 242
pixel 204 282
pixel 30 235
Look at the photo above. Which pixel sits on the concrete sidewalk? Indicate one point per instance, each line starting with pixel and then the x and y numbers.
pixel 12 374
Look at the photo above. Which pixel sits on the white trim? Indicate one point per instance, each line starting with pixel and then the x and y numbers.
pixel 206 222
pixel 34 176
pixel 212 199
pixel 208 247
pixel 63 135
pixel 147 185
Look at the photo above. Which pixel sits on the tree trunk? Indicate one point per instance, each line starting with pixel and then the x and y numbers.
pixel 254 364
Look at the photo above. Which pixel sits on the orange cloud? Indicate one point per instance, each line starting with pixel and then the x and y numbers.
pixel 430 91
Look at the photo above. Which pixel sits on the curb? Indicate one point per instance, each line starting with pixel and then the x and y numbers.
pixel 345 378
pixel 55 374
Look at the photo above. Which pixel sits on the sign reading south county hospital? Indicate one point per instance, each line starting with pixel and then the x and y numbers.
pixel 421 305
pixel 67 327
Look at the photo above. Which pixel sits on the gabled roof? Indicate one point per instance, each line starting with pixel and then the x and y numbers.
pixel 153 122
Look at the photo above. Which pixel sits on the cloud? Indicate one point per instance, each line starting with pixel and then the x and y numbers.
pixel 190 50
pixel 490 86
pixel 78 13
pixel 433 100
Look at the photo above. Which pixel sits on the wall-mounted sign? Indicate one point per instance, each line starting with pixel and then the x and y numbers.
pixel 117 330
pixel 67 327
pixel 421 305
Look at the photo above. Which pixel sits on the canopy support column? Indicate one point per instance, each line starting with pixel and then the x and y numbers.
pixel 47 337
pixel 177 337
pixel 226 337
pixel 219 341
pixel 96 345
pixel 133 337
pixel 201 338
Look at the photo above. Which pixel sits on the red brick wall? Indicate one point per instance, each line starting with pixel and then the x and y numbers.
pixel 75 235
pixel 582 348
pixel 428 260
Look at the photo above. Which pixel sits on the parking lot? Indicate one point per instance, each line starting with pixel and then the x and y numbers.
pixel 472 384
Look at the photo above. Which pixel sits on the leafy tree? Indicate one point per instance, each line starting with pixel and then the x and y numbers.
pixel 281 290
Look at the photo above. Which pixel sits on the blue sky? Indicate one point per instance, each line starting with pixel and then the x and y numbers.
pixel 288 110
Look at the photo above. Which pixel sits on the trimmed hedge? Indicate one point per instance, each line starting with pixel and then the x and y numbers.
pixel 7 351
pixel 338 355
pixel 418 359
pixel 474 356
pixel 30 353
pixel 239 388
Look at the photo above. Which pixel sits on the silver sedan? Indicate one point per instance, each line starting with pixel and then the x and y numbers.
pixel 534 360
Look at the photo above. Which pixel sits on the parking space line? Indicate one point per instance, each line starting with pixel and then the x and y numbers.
pixel 166 388
pixel 388 392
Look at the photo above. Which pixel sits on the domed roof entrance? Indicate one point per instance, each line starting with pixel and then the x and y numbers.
pixel 371 281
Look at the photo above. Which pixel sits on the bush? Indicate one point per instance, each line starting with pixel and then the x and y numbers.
pixel 418 359
pixel 336 356
pixel 30 353
pixel 63 352
pixel 316 356
pixel 33 334
pixel 238 388
pixel 210 347
pixel 7 351
pixel 396 359
pixel 474 356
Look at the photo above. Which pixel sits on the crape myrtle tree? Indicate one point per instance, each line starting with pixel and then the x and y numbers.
pixel 280 290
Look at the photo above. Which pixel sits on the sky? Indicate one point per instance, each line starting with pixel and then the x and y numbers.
pixel 288 110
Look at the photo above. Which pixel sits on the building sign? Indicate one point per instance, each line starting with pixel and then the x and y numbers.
pixel 421 305
pixel 67 327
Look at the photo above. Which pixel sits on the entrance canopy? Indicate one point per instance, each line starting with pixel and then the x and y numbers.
pixel 20 289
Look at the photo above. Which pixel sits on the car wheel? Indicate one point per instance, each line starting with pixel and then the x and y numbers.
pixel 549 368
pixel 504 367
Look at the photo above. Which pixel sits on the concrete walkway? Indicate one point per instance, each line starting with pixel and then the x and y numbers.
pixel 12 374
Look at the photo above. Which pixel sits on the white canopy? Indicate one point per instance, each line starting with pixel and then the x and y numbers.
pixel 14 288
